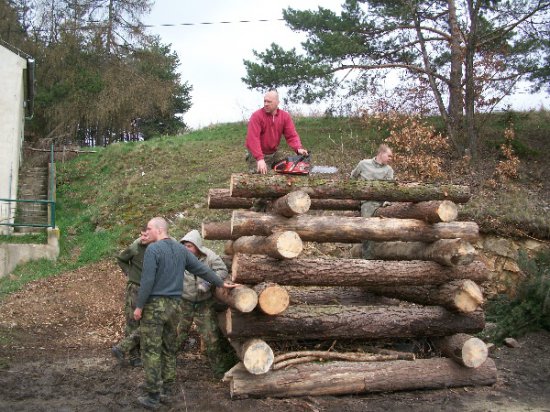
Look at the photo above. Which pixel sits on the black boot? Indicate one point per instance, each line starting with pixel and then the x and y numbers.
pixel 150 401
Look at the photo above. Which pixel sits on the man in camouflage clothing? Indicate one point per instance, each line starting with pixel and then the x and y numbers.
pixel 158 307
pixel 198 305
pixel 130 261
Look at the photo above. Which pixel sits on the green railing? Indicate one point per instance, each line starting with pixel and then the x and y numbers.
pixel 10 209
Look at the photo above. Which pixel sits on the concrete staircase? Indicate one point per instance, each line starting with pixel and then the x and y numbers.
pixel 33 185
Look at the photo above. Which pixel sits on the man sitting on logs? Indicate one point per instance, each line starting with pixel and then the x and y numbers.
pixel 198 305
pixel 377 168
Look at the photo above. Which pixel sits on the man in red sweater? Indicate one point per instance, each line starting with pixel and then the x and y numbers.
pixel 265 129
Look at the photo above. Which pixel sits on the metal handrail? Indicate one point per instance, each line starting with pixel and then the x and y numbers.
pixel 50 202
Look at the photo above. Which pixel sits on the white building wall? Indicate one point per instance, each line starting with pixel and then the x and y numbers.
pixel 12 117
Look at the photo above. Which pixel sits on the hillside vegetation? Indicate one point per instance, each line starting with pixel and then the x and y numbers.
pixel 104 197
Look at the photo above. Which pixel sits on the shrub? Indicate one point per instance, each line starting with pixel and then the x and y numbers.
pixel 529 309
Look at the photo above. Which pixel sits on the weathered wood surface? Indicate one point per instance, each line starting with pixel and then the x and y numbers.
pixel 222 199
pixel 292 204
pixel 272 298
pixel 447 252
pixel 217 231
pixel 241 298
pixel 432 211
pixel 336 295
pixel 345 229
pixel 293 358
pixel 322 187
pixel 280 245
pixel 461 295
pixel 464 349
pixel 340 378
pixel 254 269
pixel 256 355
pixel 349 322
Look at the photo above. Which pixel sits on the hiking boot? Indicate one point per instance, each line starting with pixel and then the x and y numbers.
pixel 150 401
pixel 117 353
pixel 168 392
pixel 136 363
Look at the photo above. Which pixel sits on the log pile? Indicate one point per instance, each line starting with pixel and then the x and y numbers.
pixel 422 284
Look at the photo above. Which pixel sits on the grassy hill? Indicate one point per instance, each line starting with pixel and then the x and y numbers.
pixel 104 197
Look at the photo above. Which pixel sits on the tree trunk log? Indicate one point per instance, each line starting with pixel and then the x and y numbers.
pixel 241 298
pixel 336 295
pixel 462 295
pixel 344 229
pixel 280 245
pixel 222 199
pixel 340 378
pixel 433 211
pixel 254 269
pixel 292 204
pixel 272 298
pixel 271 186
pixel 217 231
pixel 447 252
pixel 256 355
pixel 464 349
pixel 349 322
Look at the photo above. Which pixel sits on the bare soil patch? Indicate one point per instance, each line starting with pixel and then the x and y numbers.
pixel 55 355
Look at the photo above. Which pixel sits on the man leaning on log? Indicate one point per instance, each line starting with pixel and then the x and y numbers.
pixel 377 168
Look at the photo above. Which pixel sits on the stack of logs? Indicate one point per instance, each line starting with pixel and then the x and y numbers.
pixel 422 257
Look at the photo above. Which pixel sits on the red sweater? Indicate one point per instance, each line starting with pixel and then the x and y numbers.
pixel 265 131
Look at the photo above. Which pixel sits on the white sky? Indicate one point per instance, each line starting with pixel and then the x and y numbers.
pixel 212 56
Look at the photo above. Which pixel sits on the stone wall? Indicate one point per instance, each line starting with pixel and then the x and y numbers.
pixel 501 256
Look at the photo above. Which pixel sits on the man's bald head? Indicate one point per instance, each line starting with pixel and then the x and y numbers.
pixel 271 101
pixel 157 229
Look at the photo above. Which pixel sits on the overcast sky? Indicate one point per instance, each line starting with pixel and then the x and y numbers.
pixel 212 55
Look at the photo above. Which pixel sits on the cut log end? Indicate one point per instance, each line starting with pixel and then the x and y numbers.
pixel 258 357
pixel 289 244
pixel 447 211
pixel 272 298
pixel 474 353
pixel 469 297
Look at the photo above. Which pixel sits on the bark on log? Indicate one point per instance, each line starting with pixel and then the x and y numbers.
pixel 241 298
pixel 336 295
pixel 280 361
pixel 292 204
pixel 464 349
pixel 222 199
pixel 462 295
pixel 447 252
pixel 256 355
pixel 433 211
pixel 344 229
pixel 340 378
pixel 280 245
pixel 271 186
pixel 217 231
pixel 349 322
pixel 272 298
pixel 254 269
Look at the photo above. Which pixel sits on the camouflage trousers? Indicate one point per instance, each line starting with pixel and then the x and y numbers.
pixel 270 160
pixel 221 355
pixel 367 210
pixel 130 344
pixel 158 342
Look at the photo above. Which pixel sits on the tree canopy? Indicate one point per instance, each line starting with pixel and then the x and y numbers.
pixel 99 76
pixel 452 57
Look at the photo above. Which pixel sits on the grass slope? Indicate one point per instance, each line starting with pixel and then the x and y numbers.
pixel 104 197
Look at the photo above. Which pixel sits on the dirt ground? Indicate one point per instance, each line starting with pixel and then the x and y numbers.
pixel 56 334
